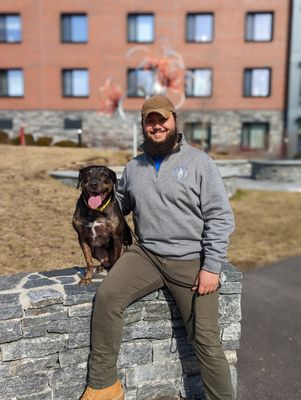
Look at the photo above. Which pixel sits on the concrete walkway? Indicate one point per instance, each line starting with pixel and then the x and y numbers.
pixel 269 361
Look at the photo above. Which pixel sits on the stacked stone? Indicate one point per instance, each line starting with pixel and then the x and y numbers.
pixel 45 337
pixel 101 130
pixel 277 170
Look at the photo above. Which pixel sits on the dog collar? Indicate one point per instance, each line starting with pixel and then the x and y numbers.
pixel 100 209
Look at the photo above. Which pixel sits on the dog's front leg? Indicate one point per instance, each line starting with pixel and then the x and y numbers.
pixel 86 280
pixel 117 250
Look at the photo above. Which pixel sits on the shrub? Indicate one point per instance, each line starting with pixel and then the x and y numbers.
pixel 44 141
pixel 29 140
pixel 4 137
pixel 65 143
pixel 15 140
pixel 297 156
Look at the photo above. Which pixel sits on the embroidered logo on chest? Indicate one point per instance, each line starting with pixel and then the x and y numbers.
pixel 180 173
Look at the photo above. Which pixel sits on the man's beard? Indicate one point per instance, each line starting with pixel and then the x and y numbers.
pixel 161 149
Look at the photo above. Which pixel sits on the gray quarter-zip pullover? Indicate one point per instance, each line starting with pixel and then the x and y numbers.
pixel 182 211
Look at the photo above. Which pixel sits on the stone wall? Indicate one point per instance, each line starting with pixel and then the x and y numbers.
pixel 104 131
pixel 45 337
pixel 277 171
pixel 98 129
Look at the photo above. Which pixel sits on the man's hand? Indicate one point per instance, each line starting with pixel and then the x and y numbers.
pixel 206 282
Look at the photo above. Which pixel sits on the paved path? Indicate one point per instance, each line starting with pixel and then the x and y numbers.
pixel 269 361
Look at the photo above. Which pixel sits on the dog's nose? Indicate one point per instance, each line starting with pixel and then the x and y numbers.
pixel 93 184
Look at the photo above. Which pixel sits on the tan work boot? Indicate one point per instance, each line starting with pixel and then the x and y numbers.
pixel 114 392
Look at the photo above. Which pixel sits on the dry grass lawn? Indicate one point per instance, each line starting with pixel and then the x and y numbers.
pixel 268 228
pixel 36 212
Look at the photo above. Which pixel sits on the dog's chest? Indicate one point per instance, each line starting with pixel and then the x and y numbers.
pixel 101 230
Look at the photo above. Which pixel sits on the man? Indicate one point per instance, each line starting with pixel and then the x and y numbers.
pixel 183 221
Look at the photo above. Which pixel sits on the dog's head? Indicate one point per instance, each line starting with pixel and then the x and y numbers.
pixel 97 182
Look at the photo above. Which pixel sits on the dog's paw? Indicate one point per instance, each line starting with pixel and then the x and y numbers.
pixel 85 281
pixel 99 268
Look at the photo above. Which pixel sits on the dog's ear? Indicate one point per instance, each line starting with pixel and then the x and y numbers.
pixel 80 178
pixel 113 176
pixel 81 174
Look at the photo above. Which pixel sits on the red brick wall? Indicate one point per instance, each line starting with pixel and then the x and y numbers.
pixel 42 55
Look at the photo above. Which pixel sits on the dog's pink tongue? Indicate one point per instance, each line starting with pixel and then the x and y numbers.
pixel 95 201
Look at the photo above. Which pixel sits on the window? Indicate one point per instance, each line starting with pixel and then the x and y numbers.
pixel 141 28
pixel 74 28
pixel 257 82
pixel 254 136
pixel 75 83
pixel 259 27
pixel 72 123
pixel 10 28
pixel 140 82
pixel 198 83
pixel 6 124
pixel 199 28
pixel 11 83
pixel 198 134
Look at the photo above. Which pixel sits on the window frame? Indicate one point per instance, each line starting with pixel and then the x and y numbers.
pixel 72 96
pixel 6 71
pixel 269 82
pixel 69 124
pixel 70 15
pixel 206 125
pixel 135 95
pixel 136 15
pixel 13 14
pixel 254 13
pixel 249 126
pixel 195 14
pixel 211 83
pixel 6 124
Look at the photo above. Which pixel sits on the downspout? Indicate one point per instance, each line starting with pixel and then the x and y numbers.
pixel 285 136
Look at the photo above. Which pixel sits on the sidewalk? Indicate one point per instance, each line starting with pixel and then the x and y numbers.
pixel 269 360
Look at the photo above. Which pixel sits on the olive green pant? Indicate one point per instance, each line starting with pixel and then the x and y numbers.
pixel 133 276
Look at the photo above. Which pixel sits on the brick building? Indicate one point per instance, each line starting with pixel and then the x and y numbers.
pixel 56 55
pixel 294 84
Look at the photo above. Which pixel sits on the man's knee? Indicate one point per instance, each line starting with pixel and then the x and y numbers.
pixel 109 299
pixel 208 339
pixel 211 351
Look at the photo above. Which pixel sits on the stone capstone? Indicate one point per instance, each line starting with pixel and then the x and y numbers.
pixel 10 282
pixel 44 297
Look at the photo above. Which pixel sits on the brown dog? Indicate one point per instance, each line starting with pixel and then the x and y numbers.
pixel 98 221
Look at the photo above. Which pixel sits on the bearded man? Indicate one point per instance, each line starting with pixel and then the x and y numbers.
pixel 183 222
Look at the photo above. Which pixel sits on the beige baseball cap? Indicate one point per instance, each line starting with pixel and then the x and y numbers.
pixel 158 104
